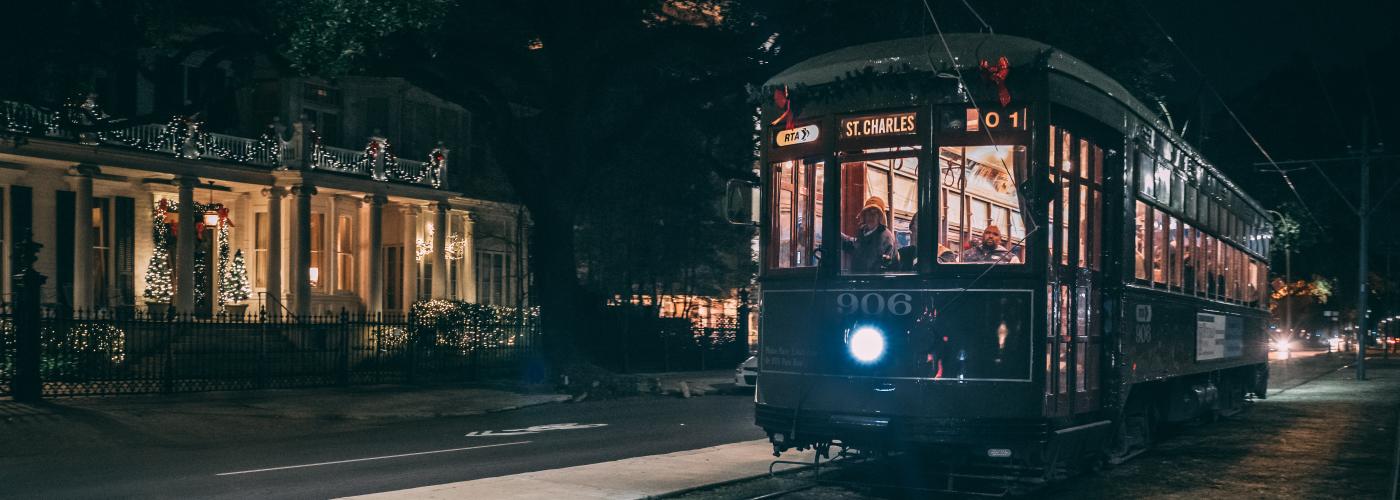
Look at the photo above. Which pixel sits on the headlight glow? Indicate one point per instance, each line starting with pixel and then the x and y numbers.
pixel 867 344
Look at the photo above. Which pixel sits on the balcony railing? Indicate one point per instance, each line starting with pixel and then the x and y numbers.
pixel 184 138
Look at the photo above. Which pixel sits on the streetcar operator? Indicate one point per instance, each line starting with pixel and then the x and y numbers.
pixel 874 249
pixel 990 249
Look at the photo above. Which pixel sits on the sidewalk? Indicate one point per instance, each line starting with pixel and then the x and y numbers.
pixel 699 383
pixel 639 477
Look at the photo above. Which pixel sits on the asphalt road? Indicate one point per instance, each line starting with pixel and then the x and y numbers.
pixel 375 456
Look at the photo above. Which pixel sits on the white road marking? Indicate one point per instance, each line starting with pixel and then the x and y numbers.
pixel 534 429
pixel 370 458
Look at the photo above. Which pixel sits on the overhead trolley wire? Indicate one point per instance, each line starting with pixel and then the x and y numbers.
pixel 1221 99
pixel 974 14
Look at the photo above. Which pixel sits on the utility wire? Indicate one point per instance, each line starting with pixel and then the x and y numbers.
pixel 1190 64
pixel 988 27
pixel 1327 97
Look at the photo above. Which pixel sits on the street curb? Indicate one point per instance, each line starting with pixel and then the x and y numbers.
pixel 728 482
pixel 557 399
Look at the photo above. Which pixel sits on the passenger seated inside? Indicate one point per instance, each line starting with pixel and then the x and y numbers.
pixel 909 255
pixel 990 249
pixel 946 255
pixel 874 249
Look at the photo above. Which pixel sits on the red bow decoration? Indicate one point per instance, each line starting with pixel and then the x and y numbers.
pixel 997 75
pixel 783 101
pixel 223 217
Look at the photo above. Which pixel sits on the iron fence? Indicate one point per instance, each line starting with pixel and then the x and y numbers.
pixel 137 352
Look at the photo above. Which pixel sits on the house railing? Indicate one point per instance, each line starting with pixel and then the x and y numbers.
pixel 184 138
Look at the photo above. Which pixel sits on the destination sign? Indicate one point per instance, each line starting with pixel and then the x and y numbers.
pixel 878 125
pixel 999 119
pixel 799 135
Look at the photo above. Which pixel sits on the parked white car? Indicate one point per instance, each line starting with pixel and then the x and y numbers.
pixel 747 372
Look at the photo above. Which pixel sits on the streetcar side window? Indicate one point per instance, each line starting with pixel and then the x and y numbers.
pixel 1159 247
pixel 1140 263
pixel 879 199
pixel 980 216
pixel 797 213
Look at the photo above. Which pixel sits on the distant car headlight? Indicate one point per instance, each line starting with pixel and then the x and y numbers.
pixel 867 344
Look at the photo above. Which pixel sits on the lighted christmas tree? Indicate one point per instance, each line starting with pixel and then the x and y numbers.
pixel 224 275
pixel 160 286
pixel 235 287
pixel 160 273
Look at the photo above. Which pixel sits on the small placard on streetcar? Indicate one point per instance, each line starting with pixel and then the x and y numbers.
pixel 799 135
pixel 878 125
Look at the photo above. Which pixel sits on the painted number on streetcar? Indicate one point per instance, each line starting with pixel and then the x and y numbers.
pixel 874 304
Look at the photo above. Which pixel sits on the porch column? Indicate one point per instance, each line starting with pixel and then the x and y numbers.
pixel 301 248
pixel 410 257
pixel 82 239
pixel 272 275
pixel 184 247
pixel 440 228
pixel 375 297
pixel 467 277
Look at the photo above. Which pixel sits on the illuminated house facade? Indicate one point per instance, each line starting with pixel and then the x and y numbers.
pixel 372 196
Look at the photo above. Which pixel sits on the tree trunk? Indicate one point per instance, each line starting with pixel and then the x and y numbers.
pixel 557 283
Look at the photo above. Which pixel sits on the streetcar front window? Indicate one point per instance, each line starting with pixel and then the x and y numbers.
pixel 879 200
pixel 980 213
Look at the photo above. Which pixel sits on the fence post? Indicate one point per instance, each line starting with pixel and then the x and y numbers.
pixel 262 347
pixel 28 322
pixel 167 375
pixel 343 371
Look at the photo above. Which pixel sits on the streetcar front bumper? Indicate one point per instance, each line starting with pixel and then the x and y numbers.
pixel 795 429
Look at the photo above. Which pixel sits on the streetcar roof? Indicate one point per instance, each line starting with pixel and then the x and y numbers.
pixel 926 54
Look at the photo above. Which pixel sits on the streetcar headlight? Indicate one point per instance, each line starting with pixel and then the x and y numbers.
pixel 867 344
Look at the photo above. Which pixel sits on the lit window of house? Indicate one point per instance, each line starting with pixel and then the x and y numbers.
pixel 344 254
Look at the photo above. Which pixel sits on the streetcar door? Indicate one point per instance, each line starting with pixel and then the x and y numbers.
pixel 1073 340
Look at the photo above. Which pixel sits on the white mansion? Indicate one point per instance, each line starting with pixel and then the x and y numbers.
pixel 323 229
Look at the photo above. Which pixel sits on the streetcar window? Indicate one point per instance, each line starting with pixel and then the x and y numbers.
pixel 1162 177
pixel 797 216
pixel 1159 247
pixel 1098 165
pixel 1173 252
pixel 1202 262
pixel 1144 171
pixel 1140 241
pixel 1176 190
pixel 1188 259
pixel 1189 207
pixel 1252 288
pixel 879 199
pixel 979 208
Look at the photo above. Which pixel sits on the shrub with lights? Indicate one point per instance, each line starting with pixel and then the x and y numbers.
pixel 463 326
